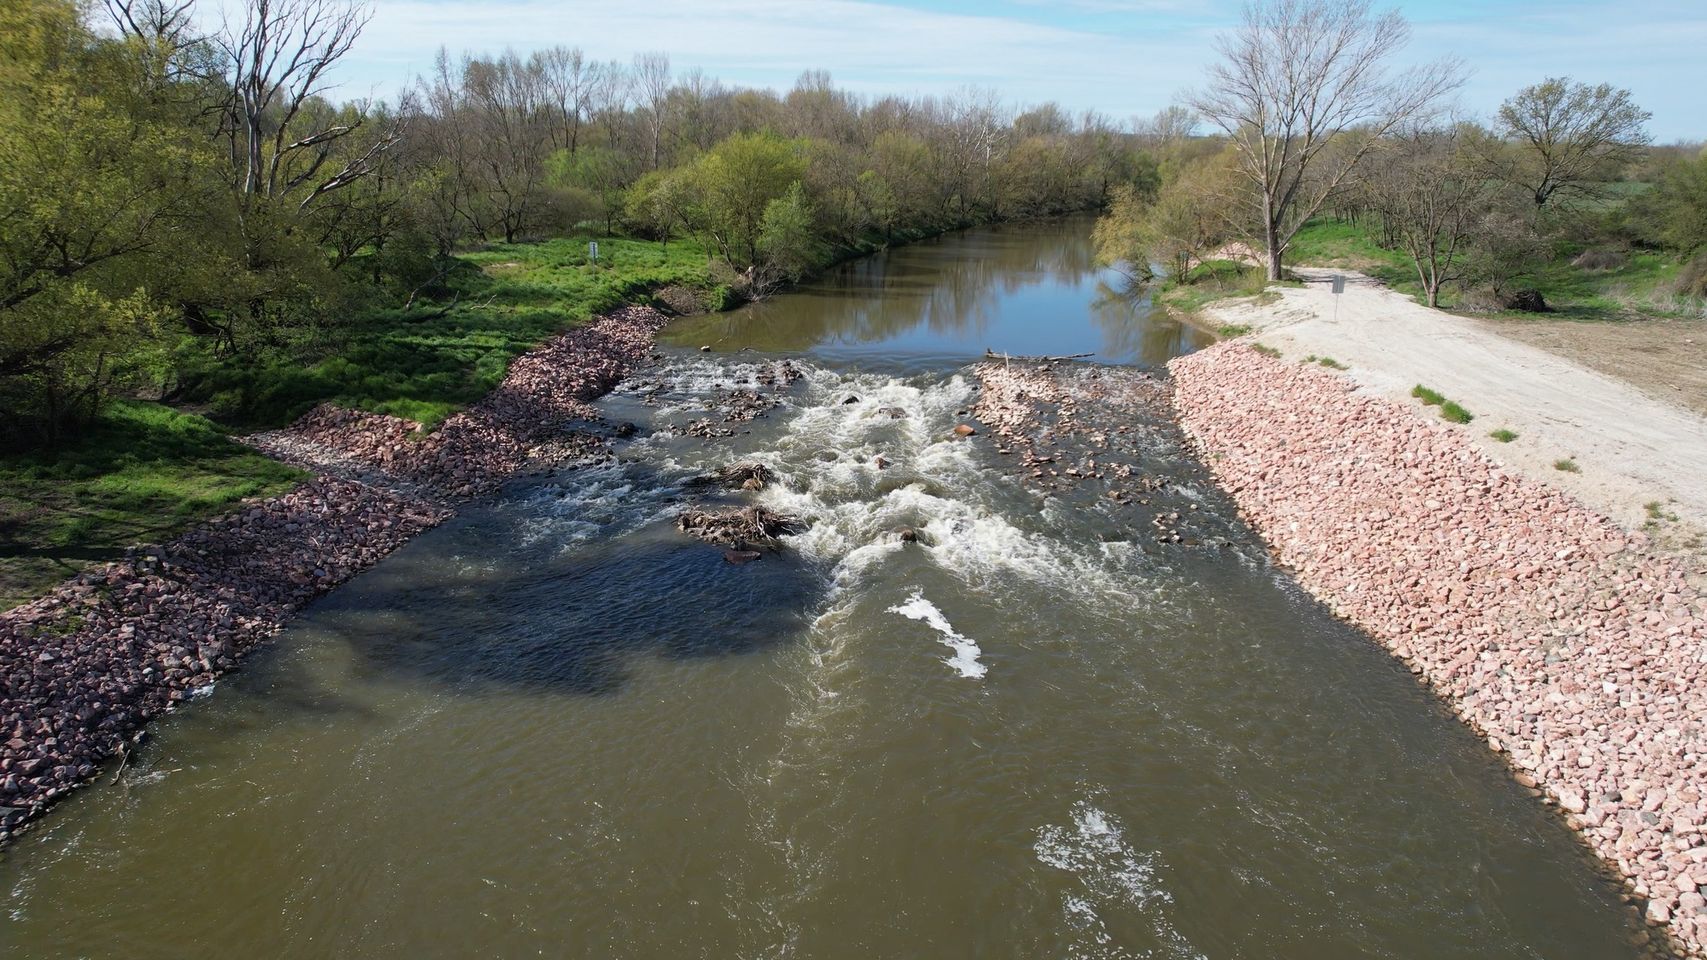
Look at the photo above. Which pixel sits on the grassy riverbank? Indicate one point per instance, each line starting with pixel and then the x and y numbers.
pixel 1213 281
pixel 144 472
pixel 431 361
pixel 147 471
pixel 1637 287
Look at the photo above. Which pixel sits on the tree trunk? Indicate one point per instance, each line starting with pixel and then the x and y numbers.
pixel 1272 240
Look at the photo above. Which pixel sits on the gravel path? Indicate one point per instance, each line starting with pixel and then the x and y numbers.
pixel 1632 449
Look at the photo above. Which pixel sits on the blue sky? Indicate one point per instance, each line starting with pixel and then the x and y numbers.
pixel 1121 57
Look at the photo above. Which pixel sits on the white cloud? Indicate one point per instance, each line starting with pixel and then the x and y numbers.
pixel 1071 51
pixel 869 47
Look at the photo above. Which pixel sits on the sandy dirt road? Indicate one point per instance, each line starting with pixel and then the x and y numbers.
pixel 1633 449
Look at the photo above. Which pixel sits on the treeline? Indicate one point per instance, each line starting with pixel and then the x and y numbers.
pixel 1563 172
pixel 173 193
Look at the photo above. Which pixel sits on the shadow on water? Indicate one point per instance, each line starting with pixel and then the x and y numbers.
pixel 544 615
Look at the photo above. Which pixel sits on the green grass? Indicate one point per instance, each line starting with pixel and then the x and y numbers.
pixel 142 474
pixel 1657 513
pixel 1449 411
pixel 1636 289
pixel 1210 281
pixel 425 367
pixel 1503 435
pixel 1567 465
pixel 1228 331
pixel 1328 362
pixel 1330 243
pixel 1427 396
pixel 146 472
pixel 1266 350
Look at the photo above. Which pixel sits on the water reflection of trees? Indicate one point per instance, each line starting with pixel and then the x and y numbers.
pixel 950 287
pixel 1130 328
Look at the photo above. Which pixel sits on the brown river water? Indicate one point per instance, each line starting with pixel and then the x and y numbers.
pixel 555 727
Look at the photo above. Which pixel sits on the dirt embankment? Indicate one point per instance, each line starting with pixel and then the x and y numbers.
pixel 83 668
pixel 1551 631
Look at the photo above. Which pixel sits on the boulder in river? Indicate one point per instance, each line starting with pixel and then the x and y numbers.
pixel 965 430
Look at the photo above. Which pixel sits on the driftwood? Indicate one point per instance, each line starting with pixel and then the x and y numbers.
pixel 744 476
pixel 993 355
pixel 737 526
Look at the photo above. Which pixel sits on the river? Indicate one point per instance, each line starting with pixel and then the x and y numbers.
pixel 556 727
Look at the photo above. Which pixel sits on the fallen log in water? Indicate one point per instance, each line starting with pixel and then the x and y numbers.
pixel 993 355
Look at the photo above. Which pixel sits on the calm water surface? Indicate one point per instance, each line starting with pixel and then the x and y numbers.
pixel 556 728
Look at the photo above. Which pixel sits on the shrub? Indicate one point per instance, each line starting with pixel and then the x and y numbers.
pixel 1601 259
pixel 1427 396
pixel 1503 435
pixel 1567 465
pixel 1691 280
pixel 1454 413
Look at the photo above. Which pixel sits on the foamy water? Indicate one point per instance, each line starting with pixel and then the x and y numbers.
pixel 966 651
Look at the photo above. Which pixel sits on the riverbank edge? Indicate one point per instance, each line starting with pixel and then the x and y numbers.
pixel 1548 630
pixel 87 666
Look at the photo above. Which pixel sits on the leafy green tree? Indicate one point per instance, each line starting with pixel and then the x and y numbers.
pixel 655 206
pixel 1176 226
pixel 600 173
pixel 1681 203
pixel 788 240
pixel 1122 235
pixel 88 191
pixel 732 185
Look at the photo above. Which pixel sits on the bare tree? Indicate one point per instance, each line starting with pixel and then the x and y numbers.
pixel 1431 198
pixel 1568 136
pixel 279 57
pixel 607 100
pixel 1303 76
pixel 1170 125
pixel 652 77
pixel 505 97
pixel 162 28
pixel 568 80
